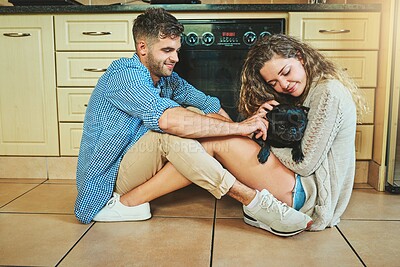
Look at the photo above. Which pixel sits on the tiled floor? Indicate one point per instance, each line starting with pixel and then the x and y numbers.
pixel 188 228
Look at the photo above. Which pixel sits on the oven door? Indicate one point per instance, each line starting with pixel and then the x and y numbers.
pixel 216 73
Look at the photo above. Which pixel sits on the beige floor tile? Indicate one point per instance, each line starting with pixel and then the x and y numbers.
pixel 156 242
pixel 227 207
pixel 37 240
pixel 376 242
pixel 370 204
pixel 46 198
pixel 191 201
pixel 237 244
pixel 61 181
pixel 8 192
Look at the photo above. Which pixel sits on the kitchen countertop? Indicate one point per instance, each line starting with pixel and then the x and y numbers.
pixel 189 8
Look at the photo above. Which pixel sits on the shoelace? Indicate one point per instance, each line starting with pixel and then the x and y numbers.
pixel 270 203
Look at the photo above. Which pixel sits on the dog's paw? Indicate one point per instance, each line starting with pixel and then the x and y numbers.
pixel 263 154
pixel 297 155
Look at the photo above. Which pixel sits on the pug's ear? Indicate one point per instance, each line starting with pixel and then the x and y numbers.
pixel 305 109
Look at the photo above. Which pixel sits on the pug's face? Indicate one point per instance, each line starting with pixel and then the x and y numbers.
pixel 287 123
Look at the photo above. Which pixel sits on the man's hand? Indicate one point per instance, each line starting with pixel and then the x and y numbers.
pixel 256 124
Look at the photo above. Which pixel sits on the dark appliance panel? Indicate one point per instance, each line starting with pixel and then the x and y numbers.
pixel 213 52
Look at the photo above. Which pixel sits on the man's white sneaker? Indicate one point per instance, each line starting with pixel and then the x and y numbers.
pixel 276 217
pixel 115 211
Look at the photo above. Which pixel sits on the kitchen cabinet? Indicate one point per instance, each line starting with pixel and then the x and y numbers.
pixel 85 46
pixel 351 40
pixel 28 120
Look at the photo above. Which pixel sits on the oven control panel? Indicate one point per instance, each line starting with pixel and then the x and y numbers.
pixel 226 34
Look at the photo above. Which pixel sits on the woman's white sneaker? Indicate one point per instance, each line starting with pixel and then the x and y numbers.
pixel 276 217
pixel 115 211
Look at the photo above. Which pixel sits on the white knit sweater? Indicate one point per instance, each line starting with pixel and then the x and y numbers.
pixel 329 153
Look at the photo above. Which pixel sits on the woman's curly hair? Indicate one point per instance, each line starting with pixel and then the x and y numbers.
pixel 255 91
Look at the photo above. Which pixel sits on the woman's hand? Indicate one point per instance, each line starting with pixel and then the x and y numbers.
pixel 267 106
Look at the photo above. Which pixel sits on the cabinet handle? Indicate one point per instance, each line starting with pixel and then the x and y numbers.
pixel 16 34
pixel 334 31
pixel 94 70
pixel 96 33
pixel 85 105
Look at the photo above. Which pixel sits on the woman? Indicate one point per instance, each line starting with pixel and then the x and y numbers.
pixel 282 68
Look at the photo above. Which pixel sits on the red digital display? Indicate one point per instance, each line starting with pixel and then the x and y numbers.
pixel 228 34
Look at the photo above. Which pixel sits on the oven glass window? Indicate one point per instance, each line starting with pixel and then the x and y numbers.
pixel 216 73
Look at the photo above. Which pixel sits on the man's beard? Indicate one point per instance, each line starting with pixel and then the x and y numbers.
pixel 156 67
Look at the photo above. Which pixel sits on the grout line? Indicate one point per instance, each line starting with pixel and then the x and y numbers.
pixel 22 194
pixel 76 243
pixel 213 232
pixel 352 248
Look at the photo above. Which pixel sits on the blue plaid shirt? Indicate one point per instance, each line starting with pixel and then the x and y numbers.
pixel 124 105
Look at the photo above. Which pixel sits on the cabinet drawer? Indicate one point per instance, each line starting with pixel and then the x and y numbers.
pixel 362 66
pixel 369 95
pixel 106 32
pixel 364 137
pixel 337 30
pixel 84 69
pixel 72 103
pixel 70 138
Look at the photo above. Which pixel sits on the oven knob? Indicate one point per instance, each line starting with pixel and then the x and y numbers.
pixel 208 38
pixel 263 34
pixel 192 38
pixel 249 38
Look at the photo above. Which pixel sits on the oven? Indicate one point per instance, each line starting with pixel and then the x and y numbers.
pixel 213 51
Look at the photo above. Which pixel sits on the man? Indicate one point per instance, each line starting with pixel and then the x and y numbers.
pixel 139 139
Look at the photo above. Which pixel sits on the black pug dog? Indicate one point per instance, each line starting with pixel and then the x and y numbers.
pixel 287 124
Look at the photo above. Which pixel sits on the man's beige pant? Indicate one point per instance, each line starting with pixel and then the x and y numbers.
pixel 154 150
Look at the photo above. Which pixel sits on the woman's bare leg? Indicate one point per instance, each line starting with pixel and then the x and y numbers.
pixel 167 180
pixel 239 156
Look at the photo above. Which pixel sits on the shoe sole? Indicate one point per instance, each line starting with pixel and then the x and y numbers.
pixel 253 222
pixel 124 219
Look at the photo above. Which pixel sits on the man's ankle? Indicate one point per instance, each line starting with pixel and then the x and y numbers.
pixel 254 202
pixel 242 193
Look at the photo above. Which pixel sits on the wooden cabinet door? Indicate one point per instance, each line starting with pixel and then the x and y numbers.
pixel 28 111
